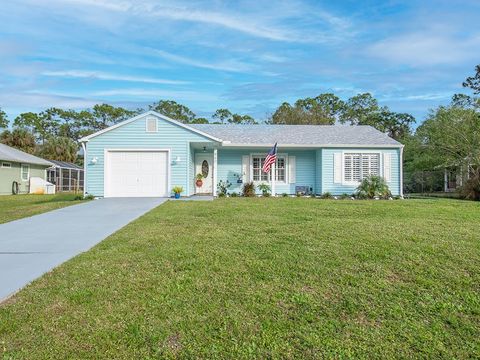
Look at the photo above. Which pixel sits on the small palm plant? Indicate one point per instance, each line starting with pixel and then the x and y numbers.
pixel 373 187
pixel 265 189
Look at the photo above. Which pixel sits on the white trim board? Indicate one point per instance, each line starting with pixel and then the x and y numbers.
pixel 146 114
pixel 313 146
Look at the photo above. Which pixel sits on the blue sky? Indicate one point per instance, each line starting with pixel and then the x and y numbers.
pixel 248 56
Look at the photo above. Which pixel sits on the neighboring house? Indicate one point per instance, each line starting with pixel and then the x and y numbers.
pixel 66 176
pixel 455 176
pixel 19 167
pixel 150 153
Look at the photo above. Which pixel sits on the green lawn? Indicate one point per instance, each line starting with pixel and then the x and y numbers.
pixel 264 278
pixel 13 207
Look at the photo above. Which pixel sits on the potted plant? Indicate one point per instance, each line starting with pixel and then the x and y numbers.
pixel 177 190
pixel 199 181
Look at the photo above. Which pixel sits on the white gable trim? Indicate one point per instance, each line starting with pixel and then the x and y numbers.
pixel 154 113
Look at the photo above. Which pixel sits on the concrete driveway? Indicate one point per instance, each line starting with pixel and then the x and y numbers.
pixel 33 246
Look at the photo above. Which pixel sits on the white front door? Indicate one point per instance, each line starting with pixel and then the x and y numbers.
pixel 136 173
pixel 204 166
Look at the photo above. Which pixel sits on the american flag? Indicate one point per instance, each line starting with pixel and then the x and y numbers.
pixel 270 159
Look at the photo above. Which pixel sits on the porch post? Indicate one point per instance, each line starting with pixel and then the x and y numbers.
pixel 445 181
pixel 215 161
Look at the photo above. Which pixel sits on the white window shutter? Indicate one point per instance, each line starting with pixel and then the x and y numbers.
pixel 387 167
pixel 337 168
pixel 246 168
pixel 292 169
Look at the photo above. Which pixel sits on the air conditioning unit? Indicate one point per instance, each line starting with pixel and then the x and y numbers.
pixel 303 190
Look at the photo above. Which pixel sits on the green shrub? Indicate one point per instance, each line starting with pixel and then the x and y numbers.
pixel 248 189
pixel 233 194
pixel 373 187
pixel 327 195
pixel 345 196
pixel 223 186
pixel 265 189
pixel 284 195
pixel 81 197
pixel 221 195
pixel 471 189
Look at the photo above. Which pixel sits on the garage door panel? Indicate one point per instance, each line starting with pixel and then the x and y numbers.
pixel 137 174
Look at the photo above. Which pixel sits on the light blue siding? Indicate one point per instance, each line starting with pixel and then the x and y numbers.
pixel 314 167
pixel 230 165
pixel 327 169
pixel 133 136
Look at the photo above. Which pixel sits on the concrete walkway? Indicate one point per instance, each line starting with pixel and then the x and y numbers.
pixel 33 246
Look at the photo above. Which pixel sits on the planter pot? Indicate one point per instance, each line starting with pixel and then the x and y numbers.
pixel 177 195
pixel 199 183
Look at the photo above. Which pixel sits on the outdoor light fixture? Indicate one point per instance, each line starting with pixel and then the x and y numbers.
pixel 94 160
pixel 176 160
pixel 204 149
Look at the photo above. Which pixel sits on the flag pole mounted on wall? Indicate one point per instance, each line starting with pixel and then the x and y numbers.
pixel 269 166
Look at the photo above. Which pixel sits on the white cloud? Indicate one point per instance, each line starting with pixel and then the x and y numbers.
pixel 230 65
pixel 254 23
pixel 107 76
pixel 426 48
pixel 40 100
pixel 421 97
pixel 155 94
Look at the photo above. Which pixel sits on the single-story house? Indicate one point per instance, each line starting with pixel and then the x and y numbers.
pixel 17 168
pixel 150 153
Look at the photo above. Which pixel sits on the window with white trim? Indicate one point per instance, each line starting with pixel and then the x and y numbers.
pixel 151 125
pixel 25 172
pixel 6 165
pixel 280 169
pixel 357 166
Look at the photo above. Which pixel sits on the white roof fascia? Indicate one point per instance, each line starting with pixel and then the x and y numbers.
pixel 229 144
pixel 154 113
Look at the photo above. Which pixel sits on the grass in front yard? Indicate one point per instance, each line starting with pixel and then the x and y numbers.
pixel 13 207
pixel 264 278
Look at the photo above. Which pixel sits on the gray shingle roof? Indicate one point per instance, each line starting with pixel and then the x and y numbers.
pixel 65 165
pixel 315 135
pixel 8 153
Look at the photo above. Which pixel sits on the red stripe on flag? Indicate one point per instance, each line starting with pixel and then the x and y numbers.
pixel 269 160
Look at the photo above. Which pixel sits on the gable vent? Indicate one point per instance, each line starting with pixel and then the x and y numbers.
pixel 152 125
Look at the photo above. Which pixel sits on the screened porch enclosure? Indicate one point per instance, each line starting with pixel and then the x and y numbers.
pixel 67 177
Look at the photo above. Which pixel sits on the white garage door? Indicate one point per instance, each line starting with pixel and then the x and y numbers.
pixel 136 174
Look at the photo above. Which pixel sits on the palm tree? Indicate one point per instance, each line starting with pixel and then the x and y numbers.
pixel 59 148
pixel 19 138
